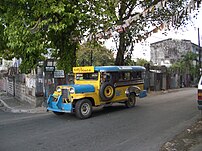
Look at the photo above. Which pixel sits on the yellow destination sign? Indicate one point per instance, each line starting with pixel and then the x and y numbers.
pixel 87 69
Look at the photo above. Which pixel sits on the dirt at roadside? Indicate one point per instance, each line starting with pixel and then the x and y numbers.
pixel 186 140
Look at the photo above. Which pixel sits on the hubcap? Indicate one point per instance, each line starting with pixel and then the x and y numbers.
pixel 85 109
pixel 108 91
pixel 131 101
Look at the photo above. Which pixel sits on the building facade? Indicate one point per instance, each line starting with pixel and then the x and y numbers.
pixel 167 52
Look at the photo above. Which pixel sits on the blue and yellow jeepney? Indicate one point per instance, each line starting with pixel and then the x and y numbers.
pixel 95 86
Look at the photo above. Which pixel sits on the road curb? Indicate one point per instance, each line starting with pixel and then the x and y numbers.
pixel 4 106
pixel 154 93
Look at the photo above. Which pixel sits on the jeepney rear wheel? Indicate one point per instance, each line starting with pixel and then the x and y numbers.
pixel 58 113
pixel 83 108
pixel 131 101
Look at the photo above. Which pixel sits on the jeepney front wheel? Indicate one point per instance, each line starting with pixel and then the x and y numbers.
pixel 83 108
pixel 131 101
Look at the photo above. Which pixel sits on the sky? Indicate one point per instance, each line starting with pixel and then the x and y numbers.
pixel 190 32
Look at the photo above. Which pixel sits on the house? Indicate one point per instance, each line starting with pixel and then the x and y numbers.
pixel 168 51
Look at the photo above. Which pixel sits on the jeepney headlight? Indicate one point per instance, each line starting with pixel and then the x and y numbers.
pixel 58 90
pixel 71 90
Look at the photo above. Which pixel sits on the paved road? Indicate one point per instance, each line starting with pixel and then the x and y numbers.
pixel 146 127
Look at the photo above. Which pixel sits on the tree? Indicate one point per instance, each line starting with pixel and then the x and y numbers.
pixel 142 62
pixel 94 53
pixel 190 68
pixel 2 41
pixel 185 65
pixel 134 26
pixel 32 27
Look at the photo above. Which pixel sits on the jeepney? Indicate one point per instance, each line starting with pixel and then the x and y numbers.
pixel 98 85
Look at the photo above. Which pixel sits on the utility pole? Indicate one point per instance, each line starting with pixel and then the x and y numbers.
pixel 199 51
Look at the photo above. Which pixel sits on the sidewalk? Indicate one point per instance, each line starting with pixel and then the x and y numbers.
pixel 11 104
pixel 152 93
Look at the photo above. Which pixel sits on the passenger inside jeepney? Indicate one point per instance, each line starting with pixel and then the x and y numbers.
pixel 105 78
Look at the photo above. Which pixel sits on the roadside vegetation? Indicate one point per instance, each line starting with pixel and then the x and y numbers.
pixel 89 53
pixel 187 65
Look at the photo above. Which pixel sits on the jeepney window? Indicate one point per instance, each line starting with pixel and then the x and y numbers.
pixel 87 76
pixel 127 76
pixel 121 76
pixel 79 76
pixel 105 77
pixel 136 75
pixel 124 76
pixel 139 75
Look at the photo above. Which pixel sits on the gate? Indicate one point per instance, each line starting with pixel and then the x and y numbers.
pixel 11 85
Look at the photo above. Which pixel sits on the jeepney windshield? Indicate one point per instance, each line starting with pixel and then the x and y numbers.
pixel 87 76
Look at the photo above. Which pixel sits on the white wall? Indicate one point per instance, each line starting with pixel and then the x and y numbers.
pixel 141 51
pixel 5 64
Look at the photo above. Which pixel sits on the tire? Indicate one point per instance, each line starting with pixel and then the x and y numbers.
pixel 131 101
pixel 107 91
pixel 83 109
pixel 58 113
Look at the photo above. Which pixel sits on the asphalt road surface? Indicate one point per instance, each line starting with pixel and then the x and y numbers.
pixel 155 120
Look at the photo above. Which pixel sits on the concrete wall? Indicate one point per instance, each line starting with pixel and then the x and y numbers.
pixel 3 84
pixel 11 86
pixel 24 93
pixel 24 90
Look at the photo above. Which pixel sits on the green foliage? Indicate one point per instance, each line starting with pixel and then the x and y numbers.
pixel 33 26
pixel 141 62
pixel 100 55
pixel 185 65
pixel 29 28
pixel 2 40
pixel 129 62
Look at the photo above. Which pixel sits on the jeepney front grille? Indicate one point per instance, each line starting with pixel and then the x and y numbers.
pixel 65 95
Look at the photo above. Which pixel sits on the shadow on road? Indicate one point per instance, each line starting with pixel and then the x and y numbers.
pixel 98 111
pixel 110 110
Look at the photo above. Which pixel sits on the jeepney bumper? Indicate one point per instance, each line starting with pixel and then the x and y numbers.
pixel 143 94
pixel 58 105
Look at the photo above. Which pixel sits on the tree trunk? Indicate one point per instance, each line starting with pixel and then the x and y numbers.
pixel 74 46
pixel 122 41
pixel 121 50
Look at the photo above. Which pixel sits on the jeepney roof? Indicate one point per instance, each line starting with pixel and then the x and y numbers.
pixel 118 68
